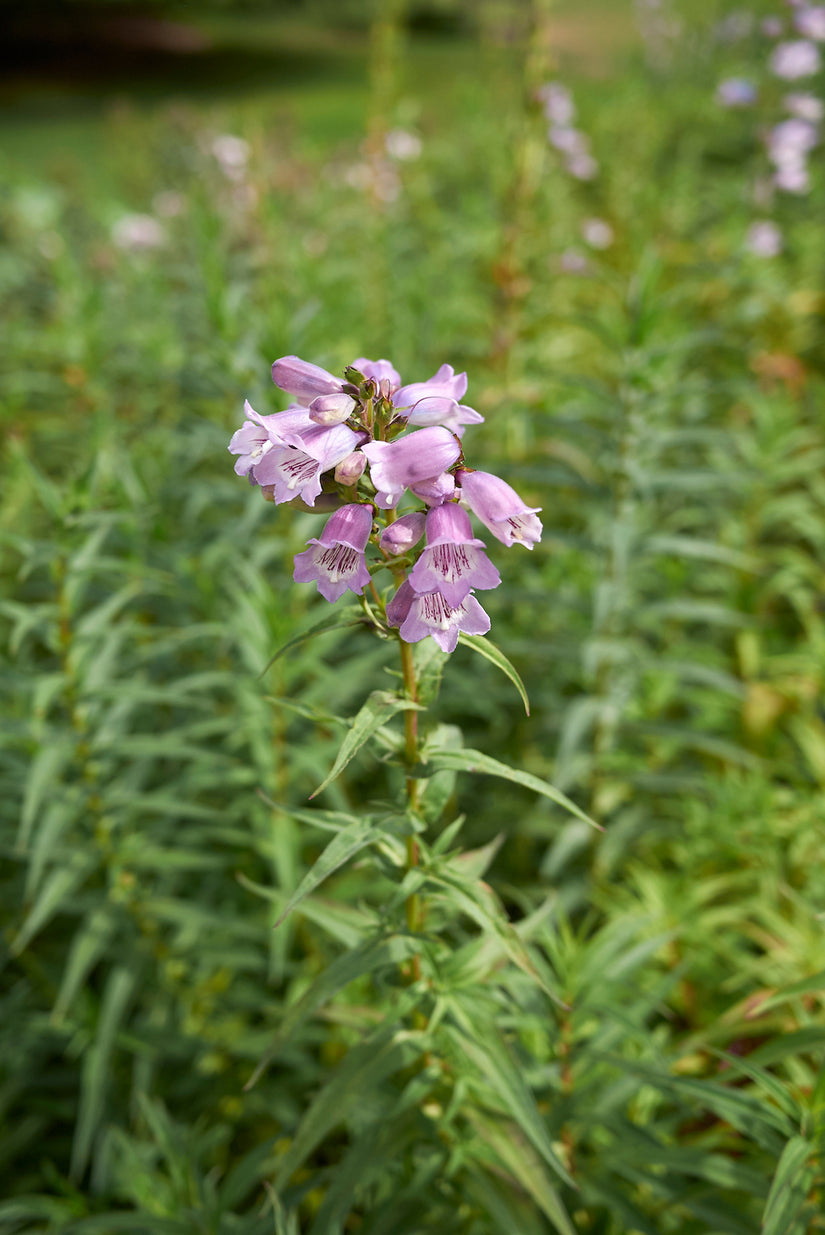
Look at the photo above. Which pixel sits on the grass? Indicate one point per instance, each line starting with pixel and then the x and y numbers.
pixel 662 406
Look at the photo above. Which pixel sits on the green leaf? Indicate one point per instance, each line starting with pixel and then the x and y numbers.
pixel 88 945
pixel 116 995
pixel 788 1193
pixel 486 648
pixel 372 954
pixel 805 986
pixel 499 1070
pixel 524 1164
pixel 360 1073
pixel 474 761
pixel 56 889
pixel 379 707
pixel 480 903
pixel 437 790
pixel 357 836
pixel 44 777
pixel 334 621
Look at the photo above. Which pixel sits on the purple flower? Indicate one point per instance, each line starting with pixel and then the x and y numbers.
pixel 500 508
pixel 792 177
pixel 791 139
pixel 418 616
pixel 582 166
pixel 259 434
pixel 568 140
pixel 805 106
pixel 420 456
pixel 764 239
pixel 454 562
pixel 557 103
pixel 403 533
pixel 772 27
pixel 351 468
pixel 335 560
pixel 294 467
pixel 303 380
pixel 797 59
pixel 380 371
pixel 436 491
pixel 331 409
pixel 736 92
pixel 810 22
pixel 437 401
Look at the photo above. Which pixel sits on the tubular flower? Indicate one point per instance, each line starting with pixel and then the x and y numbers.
pixel 294 468
pixel 258 434
pixel 396 466
pixel 403 534
pixel 437 401
pixel 417 616
pixel 303 380
pixel 453 562
pixel 335 560
pixel 354 448
pixel 500 509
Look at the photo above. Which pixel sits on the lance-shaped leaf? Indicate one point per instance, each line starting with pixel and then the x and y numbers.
pixel 475 761
pixel 362 1070
pixel 351 840
pixel 499 1070
pixel 334 621
pixel 379 707
pixel 484 647
pixel 521 1160
pixel 789 1190
pixel 372 954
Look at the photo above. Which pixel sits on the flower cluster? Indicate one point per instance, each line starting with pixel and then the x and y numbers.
pixel 574 146
pixel 789 140
pixel 388 458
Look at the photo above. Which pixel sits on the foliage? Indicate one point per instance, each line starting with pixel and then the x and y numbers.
pixel 602 1032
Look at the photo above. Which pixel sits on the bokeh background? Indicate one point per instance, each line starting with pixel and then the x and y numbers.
pixel 189 192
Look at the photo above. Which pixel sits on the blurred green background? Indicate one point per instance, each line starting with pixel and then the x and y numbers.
pixel 189 192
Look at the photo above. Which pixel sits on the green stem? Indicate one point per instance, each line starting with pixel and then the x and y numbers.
pixel 413 905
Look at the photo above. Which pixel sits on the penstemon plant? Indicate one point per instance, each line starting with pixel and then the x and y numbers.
pixel 385 461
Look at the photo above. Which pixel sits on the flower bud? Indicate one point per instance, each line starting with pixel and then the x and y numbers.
pixel 403 533
pixel 350 470
pixel 331 409
pixel 303 380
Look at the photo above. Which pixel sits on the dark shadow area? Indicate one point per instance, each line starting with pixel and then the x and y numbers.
pixel 92 54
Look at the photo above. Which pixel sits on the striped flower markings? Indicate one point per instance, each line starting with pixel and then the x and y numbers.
pixel 389 459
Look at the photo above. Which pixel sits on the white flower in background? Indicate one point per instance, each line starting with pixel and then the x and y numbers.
pixel 790 138
pixel 568 140
pixel 232 155
pixel 764 239
pixel 810 22
pixel 805 106
pixel 402 145
pixel 582 166
pixel 772 27
pixel 557 104
pixel 797 59
pixel 138 233
pixel 169 204
pixel 573 262
pixel 736 92
pixel 789 144
pixel 597 233
pixel 793 178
